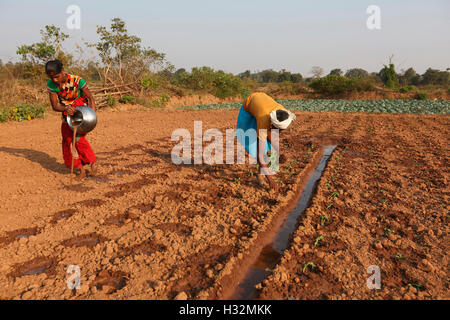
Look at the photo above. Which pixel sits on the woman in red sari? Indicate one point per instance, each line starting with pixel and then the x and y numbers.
pixel 67 91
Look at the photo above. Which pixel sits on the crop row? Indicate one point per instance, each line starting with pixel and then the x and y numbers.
pixel 323 105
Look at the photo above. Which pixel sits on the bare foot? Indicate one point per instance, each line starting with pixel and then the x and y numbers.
pixel 82 174
pixel 262 181
pixel 93 171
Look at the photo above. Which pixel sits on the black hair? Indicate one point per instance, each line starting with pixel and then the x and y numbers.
pixel 53 66
pixel 282 115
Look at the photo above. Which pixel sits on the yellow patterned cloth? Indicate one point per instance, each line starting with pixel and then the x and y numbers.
pixel 260 105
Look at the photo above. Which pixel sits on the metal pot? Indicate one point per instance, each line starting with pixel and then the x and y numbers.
pixel 84 117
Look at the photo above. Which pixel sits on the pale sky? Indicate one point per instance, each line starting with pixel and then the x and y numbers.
pixel 239 35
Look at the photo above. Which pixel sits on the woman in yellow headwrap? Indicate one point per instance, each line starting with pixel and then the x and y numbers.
pixel 262 113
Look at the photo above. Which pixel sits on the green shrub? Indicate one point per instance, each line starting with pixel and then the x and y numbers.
pixel 161 102
pixel 127 99
pixel 389 76
pixel 218 83
pixel 23 111
pixel 111 101
pixel 407 88
pixel 289 87
pixel 150 83
pixel 334 84
pixel 4 115
pixel 421 96
pixel 245 93
pixel 226 85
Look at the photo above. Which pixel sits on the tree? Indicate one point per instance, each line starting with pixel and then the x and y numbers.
pixel 269 75
pixel 49 48
pixel 316 72
pixel 296 77
pixel 357 73
pixel 408 77
pixel 388 75
pixel 123 57
pixel 245 74
pixel 336 72
pixel 219 83
pixel 433 76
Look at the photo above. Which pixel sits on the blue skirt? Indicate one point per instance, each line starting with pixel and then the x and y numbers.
pixel 246 122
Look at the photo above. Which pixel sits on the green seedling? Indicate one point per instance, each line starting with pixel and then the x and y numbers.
pixel 381 191
pixel 323 219
pixel 337 158
pixel 237 180
pixel 398 256
pixel 329 206
pixel 317 242
pixel 290 298
pixel 306 265
pixel 416 285
pixel 332 178
pixel 294 161
pixel 327 184
pixel 380 215
pixel 250 174
pixel 335 171
pixel 383 200
pixel 278 180
pixel 388 231
pixel 334 194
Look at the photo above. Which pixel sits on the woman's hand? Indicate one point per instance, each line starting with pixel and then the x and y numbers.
pixel 70 110
pixel 272 184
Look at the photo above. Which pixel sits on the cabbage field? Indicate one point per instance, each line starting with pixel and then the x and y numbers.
pixel 375 106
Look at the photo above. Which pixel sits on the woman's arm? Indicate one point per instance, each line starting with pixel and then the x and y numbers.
pixel 263 165
pixel 58 106
pixel 88 95
pixel 275 147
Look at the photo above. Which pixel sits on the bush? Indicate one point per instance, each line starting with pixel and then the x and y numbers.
pixel 21 112
pixel 331 84
pixel 218 83
pixel 421 96
pixel 150 83
pixel 4 115
pixel 226 85
pixel 161 102
pixel 389 77
pixel 407 89
pixel 290 87
pixel 111 101
pixel 245 93
pixel 127 99
pixel 334 85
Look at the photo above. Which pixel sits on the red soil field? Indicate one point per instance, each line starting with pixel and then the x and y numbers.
pixel 145 228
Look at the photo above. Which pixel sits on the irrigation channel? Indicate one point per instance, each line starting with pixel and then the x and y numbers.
pixel 271 254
